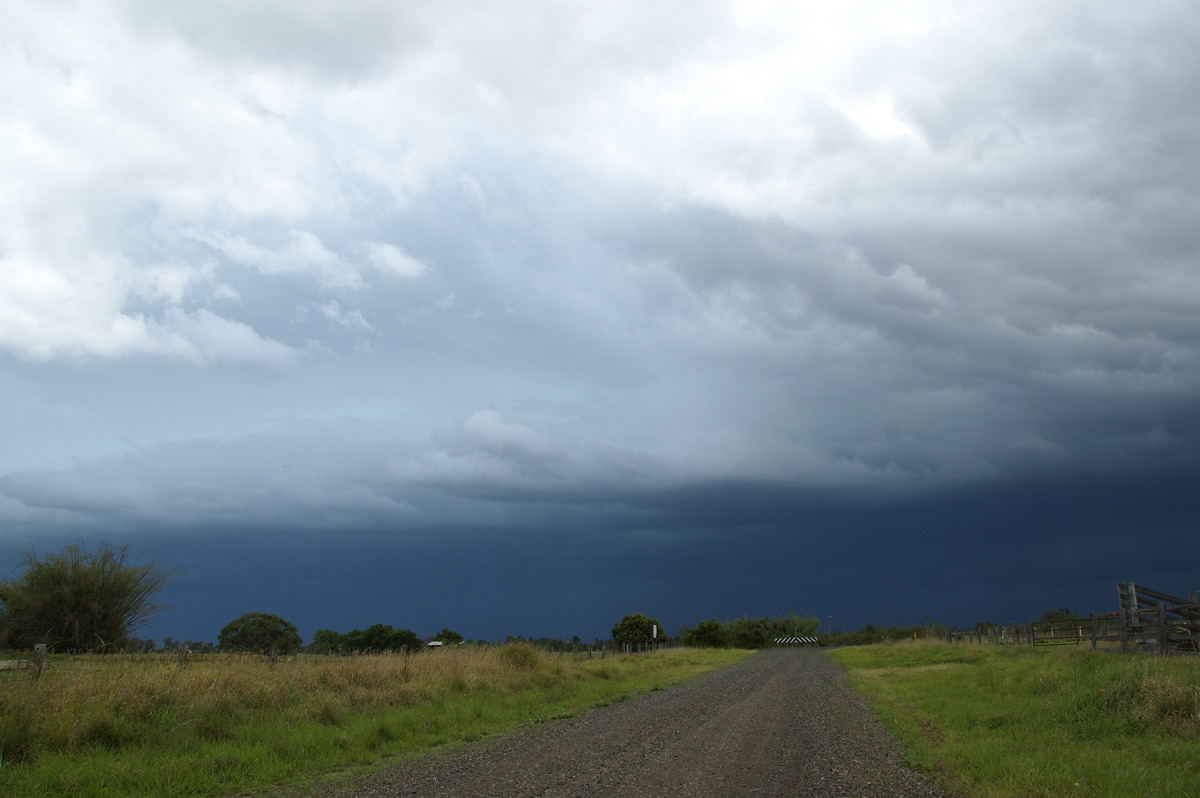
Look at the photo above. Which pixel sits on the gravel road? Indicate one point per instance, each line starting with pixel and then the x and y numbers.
pixel 781 723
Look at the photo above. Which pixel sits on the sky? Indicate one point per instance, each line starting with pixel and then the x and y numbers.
pixel 518 317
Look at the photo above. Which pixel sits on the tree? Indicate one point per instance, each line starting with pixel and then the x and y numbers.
pixel 381 637
pixel 80 599
pixel 707 634
pixel 636 630
pixel 325 641
pixel 1060 614
pixel 449 637
pixel 748 632
pixel 793 625
pixel 259 631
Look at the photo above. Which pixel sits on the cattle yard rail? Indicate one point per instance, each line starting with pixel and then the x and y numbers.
pixel 1146 620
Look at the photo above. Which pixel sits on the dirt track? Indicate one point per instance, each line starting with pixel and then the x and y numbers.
pixel 782 723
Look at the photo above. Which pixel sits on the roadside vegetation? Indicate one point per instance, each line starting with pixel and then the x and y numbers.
pixel 748 632
pixel 219 724
pixel 79 599
pixel 1011 721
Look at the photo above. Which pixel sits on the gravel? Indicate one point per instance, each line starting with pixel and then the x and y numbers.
pixel 781 723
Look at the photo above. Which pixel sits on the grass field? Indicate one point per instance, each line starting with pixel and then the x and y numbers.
pixel 137 726
pixel 996 721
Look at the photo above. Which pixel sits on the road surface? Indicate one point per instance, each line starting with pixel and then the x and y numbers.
pixel 781 723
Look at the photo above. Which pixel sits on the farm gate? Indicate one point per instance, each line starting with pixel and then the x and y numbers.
pixel 1146 620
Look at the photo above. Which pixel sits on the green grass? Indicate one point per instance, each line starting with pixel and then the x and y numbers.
pixel 994 721
pixel 225 724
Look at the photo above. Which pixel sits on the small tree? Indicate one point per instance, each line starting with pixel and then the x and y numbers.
pixel 1060 614
pixel 635 630
pixel 80 599
pixel 748 632
pixel 449 637
pixel 381 637
pixel 707 634
pixel 793 625
pixel 259 631
pixel 325 641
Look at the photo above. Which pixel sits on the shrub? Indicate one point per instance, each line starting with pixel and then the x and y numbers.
pixel 79 599
pixel 520 655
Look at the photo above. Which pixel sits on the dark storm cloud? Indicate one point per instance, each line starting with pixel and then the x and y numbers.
pixel 1001 553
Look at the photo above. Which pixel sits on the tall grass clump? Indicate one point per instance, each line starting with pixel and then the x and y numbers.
pixel 98 726
pixel 993 721
pixel 521 656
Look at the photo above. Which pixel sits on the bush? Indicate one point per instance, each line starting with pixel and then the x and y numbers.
pixel 636 630
pixel 78 599
pixel 520 655
pixel 707 634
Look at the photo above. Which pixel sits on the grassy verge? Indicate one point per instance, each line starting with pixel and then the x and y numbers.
pixel 992 721
pixel 223 724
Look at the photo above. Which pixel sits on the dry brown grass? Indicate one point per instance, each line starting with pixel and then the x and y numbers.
pixel 89 700
pixel 144 725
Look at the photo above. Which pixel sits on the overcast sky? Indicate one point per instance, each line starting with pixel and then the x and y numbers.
pixel 516 317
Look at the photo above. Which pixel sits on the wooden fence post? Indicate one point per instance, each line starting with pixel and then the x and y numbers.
pixel 37 663
pixel 1163 644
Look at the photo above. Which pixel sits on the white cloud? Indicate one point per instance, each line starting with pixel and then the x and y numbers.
pixel 203 337
pixel 333 312
pixel 111 146
pixel 302 253
pixel 487 431
pixel 391 259
pixel 80 312
pixel 877 117
pixel 99 117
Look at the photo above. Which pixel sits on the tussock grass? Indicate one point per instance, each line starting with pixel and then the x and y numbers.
pixel 226 723
pixel 992 721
